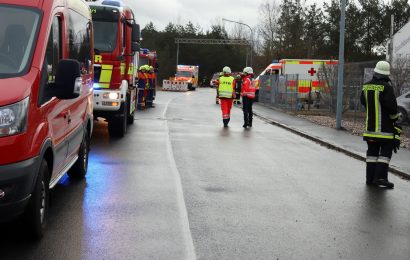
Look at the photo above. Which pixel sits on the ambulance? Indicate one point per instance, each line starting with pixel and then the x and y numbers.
pixel 189 74
pixel 305 70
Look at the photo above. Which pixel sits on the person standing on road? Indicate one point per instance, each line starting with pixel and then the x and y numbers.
pixel 248 94
pixel 378 98
pixel 217 86
pixel 226 94
pixel 142 81
pixel 238 88
pixel 151 86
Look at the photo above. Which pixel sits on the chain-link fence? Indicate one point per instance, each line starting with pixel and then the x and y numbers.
pixel 299 93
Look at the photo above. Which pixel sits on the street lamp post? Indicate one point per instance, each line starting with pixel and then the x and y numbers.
pixel 250 28
pixel 339 106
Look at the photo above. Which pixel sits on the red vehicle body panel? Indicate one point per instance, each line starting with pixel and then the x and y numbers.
pixel 54 129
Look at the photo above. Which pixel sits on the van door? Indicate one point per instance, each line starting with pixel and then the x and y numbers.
pixel 79 49
pixel 57 116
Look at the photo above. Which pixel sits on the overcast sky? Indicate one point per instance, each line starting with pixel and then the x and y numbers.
pixel 201 12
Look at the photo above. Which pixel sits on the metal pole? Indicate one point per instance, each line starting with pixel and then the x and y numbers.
pixel 339 107
pixel 251 43
pixel 177 54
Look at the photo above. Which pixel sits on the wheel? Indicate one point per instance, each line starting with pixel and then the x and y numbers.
pixel 79 169
pixel 403 116
pixel 130 119
pixel 37 209
pixel 117 126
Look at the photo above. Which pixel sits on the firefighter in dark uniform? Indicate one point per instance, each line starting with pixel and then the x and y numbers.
pixel 142 81
pixel 381 133
pixel 238 86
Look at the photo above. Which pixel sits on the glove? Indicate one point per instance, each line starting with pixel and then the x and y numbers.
pixel 396 141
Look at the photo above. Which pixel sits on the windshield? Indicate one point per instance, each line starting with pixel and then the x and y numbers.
pixel 18 32
pixel 105 36
pixel 186 74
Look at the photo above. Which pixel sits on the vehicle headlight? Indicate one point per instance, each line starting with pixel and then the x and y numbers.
pixel 13 118
pixel 111 95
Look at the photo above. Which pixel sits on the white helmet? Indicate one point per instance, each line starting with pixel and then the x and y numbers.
pixel 226 70
pixel 382 67
pixel 248 70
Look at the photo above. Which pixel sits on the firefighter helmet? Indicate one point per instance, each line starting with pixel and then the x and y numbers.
pixel 248 70
pixel 382 67
pixel 226 70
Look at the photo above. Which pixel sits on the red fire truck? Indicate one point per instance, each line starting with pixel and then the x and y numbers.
pixel 117 44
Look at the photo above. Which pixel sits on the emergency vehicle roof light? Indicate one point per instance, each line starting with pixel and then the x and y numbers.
pixel 113 3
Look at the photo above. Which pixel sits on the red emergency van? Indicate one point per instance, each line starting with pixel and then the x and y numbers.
pixel 46 102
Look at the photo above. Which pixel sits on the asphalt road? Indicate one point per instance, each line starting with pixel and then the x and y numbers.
pixel 180 186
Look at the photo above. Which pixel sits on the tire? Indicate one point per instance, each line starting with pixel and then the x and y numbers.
pixel 130 117
pixel 404 117
pixel 37 210
pixel 79 169
pixel 117 126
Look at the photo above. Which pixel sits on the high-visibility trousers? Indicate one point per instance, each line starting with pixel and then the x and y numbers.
pixel 226 106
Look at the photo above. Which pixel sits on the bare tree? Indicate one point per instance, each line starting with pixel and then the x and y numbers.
pixel 400 74
pixel 268 27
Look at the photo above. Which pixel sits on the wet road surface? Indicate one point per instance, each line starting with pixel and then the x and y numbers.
pixel 180 186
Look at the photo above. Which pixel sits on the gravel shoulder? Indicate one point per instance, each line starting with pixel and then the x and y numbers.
pixel 355 128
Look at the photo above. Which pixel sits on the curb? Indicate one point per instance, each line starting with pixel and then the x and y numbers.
pixel 335 147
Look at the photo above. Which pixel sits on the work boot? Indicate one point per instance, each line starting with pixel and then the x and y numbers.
pixel 384 183
pixel 250 123
pixel 245 125
pixel 370 172
pixel 225 122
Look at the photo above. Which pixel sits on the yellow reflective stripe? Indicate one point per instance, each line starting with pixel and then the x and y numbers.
pixel 376 107
pixel 131 69
pixel 304 83
pixel 106 73
pixel 394 116
pixel 318 62
pixel 373 87
pixel 367 110
pixel 122 69
pixel 103 85
pixel 292 62
pixel 378 136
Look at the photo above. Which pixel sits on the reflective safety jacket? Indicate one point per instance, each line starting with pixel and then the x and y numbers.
pixel 248 88
pixel 381 109
pixel 226 86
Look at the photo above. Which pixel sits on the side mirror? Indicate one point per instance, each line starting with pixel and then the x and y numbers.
pixel 135 47
pixel 136 32
pixel 68 80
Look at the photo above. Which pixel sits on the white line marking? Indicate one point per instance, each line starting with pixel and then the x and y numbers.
pixel 184 221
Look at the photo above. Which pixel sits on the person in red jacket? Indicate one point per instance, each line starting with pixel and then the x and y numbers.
pixel 226 93
pixel 248 93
